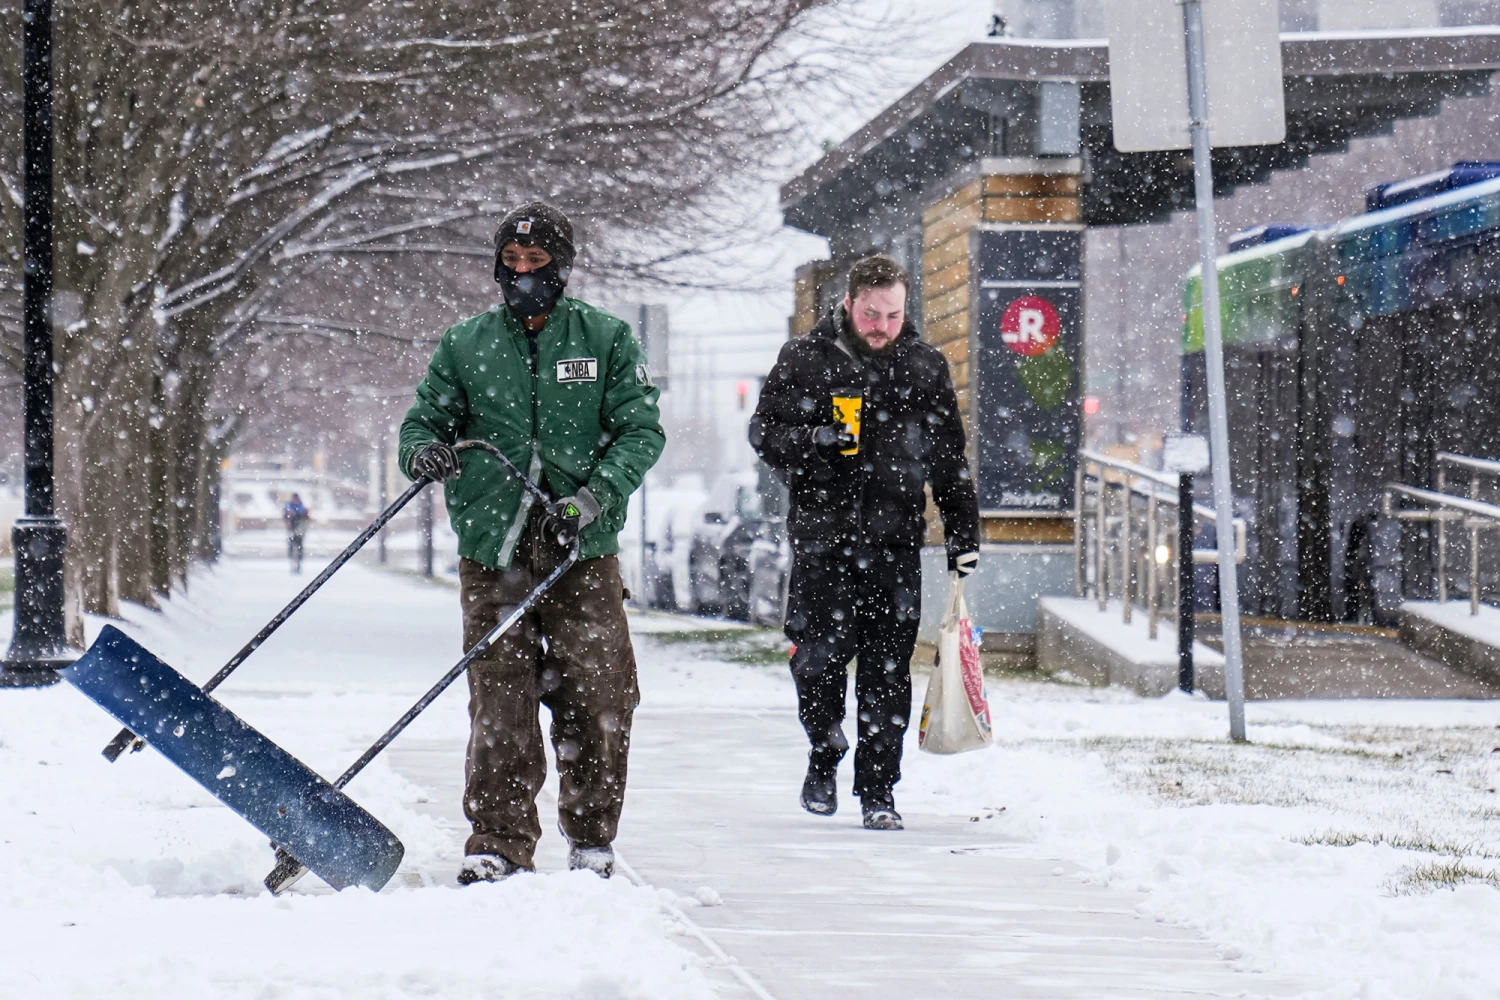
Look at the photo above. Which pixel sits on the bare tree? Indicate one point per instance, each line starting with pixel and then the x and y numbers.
pixel 212 155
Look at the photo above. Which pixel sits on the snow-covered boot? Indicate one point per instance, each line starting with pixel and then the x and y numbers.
pixel 599 860
pixel 820 789
pixel 486 868
pixel 880 812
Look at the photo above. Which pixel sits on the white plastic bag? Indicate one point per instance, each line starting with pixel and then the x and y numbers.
pixel 956 710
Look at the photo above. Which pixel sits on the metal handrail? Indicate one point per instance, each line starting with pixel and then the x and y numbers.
pixel 1486 465
pixel 1158 489
pixel 1475 515
pixel 1475 509
pixel 1477 467
pixel 1200 511
pixel 1155 475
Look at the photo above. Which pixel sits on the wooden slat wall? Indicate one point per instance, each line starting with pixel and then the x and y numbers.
pixel 1009 530
pixel 945 275
pixel 809 278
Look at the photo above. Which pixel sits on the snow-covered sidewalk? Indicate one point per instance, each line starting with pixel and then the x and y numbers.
pixel 129 879
pixel 1107 847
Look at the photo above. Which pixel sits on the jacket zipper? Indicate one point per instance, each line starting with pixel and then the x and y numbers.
pixel 534 469
pixel 535 454
pixel 859 502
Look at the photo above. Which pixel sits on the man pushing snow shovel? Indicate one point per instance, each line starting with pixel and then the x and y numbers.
pixel 562 389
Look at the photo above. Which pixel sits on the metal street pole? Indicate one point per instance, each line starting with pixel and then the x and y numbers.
pixel 1213 347
pixel 39 646
pixel 641 598
pixel 1185 603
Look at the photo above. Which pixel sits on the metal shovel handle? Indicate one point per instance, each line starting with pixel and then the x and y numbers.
pixel 126 739
pixel 535 490
pixel 288 869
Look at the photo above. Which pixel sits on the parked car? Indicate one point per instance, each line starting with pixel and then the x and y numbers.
pixel 651 573
pixel 741 509
pixel 656 576
pixel 770 573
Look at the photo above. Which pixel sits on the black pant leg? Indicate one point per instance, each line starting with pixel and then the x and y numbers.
pixel 821 620
pixel 889 611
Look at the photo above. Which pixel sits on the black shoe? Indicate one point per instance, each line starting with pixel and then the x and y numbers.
pixel 486 868
pixel 820 789
pixel 820 794
pixel 880 812
pixel 599 860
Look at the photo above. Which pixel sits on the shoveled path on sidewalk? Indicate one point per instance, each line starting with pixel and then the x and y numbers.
pixel 807 907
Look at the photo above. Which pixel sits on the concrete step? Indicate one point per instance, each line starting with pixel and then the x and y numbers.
pixel 1076 640
pixel 1283 660
pixel 1447 631
pixel 1313 660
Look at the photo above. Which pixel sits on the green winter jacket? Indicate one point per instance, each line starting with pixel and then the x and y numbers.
pixel 587 417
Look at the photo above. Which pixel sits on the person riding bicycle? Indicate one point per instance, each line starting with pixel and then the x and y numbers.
pixel 295 515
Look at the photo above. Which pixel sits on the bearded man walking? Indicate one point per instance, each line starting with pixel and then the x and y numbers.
pixel 857 418
pixel 562 389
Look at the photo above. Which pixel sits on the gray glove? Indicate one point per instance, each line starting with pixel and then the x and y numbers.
pixel 436 461
pixel 831 439
pixel 569 516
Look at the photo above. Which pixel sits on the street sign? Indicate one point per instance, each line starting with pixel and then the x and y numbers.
pixel 1030 326
pixel 1148 76
pixel 1184 453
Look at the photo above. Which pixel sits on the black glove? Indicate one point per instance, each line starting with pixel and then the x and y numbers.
pixel 570 515
pixel 830 439
pixel 436 461
pixel 963 563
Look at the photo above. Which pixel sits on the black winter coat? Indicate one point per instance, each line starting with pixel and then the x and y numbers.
pixel 910 435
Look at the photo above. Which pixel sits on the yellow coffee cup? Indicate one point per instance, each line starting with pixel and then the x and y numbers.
pixel 847 405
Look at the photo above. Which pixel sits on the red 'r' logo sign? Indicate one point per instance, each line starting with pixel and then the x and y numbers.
pixel 1029 326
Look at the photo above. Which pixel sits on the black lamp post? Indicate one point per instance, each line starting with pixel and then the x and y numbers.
pixel 39 645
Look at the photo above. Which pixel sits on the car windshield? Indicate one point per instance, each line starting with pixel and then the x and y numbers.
pixel 746 502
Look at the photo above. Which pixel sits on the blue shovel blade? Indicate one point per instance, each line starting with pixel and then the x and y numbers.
pixel 278 794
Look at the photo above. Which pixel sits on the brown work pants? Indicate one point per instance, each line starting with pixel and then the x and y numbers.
pixel 571 653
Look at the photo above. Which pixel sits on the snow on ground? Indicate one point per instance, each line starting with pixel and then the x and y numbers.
pixel 1454 615
pixel 1352 846
pixel 128 876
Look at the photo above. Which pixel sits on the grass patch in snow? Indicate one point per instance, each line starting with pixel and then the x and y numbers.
pixel 1426 843
pixel 1413 780
pixel 752 646
pixel 1433 875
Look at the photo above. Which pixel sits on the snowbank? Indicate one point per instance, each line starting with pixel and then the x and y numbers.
pixel 1243 842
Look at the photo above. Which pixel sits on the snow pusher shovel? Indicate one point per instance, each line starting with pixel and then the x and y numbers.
pixel 278 794
pixel 126 738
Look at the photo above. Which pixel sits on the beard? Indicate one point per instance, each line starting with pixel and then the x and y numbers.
pixel 864 347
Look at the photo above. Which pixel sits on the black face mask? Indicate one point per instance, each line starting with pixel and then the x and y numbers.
pixel 534 293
